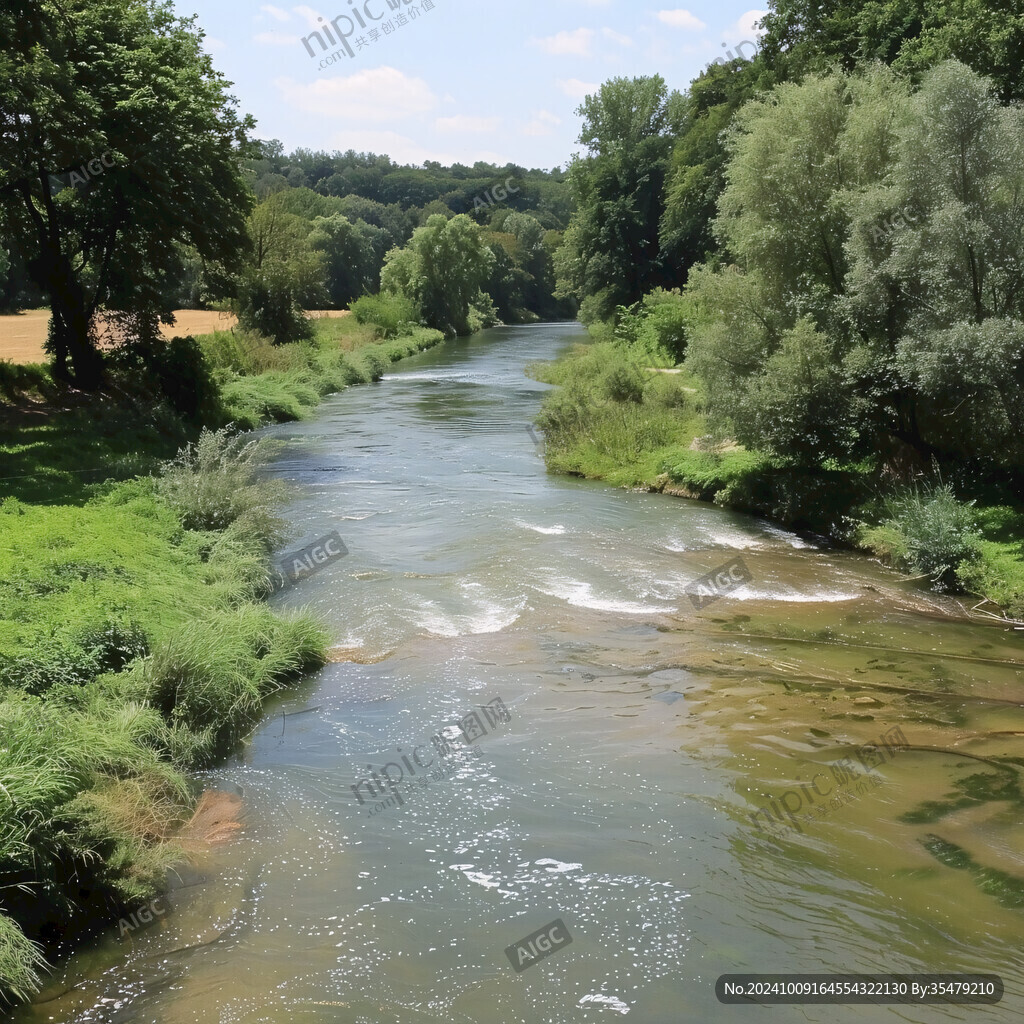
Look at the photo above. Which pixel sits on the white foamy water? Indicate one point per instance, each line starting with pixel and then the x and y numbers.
pixel 556 530
pixel 581 594
pixel 487 617
pixel 787 594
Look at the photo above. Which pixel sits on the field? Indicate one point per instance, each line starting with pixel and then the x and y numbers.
pixel 22 334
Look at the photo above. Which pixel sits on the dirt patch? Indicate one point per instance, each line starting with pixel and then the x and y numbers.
pixel 217 820
pixel 22 334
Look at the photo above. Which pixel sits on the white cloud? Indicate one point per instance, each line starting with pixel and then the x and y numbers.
pixel 275 12
pixel 377 94
pixel 745 25
pixel 275 39
pixel 543 123
pixel 680 18
pixel 212 45
pixel 466 123
pixel 576 43
pixel 616 37
pixel 576 89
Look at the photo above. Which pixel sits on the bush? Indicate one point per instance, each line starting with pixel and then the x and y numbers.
pixel 928 531
pixel 174 371
pixel 210 678
pixel 268 304
pixel 18 379
pixel 390 313
pixel 249 353
pixel 214 482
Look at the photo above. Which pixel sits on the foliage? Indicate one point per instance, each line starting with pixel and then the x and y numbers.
pixel 285 277
pixel 657 328
pixel 215 482
pixel 441 271
pixel 610 253
pixel 123 89
pixel 912 35
pixel 927 530
pixel 390 313
pixel 879 295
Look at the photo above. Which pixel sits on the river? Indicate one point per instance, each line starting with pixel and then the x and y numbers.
pixel 818 771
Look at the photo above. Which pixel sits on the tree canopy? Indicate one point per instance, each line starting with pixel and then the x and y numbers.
pixel 119 139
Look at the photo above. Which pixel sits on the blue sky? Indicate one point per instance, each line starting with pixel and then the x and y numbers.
pixel 494 81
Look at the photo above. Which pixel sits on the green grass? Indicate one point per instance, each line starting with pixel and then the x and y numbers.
pixel 613 420
pixel 131 651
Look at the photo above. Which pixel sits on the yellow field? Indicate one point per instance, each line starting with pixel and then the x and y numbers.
pixel 22 334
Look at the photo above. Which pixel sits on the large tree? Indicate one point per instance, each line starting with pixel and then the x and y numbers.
pixel 118 139
pixel 912 35
pixel 611 253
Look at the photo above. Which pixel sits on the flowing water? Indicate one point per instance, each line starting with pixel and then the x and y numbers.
pixel 654 781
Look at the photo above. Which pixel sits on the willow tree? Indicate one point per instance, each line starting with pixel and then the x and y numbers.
pixel 118 139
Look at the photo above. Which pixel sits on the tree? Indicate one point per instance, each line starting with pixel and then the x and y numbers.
pixel 611 252
pixel 354 255
pixel 696 176
pixel 118 139
pixel 443 270
pixel 876 301
pixel 285 277
pixel 913 35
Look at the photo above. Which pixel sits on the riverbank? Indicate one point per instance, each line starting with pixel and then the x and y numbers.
pixel 616 420
pixel 135 536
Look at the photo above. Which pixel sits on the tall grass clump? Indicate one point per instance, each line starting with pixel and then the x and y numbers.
pixel 391 315
pixel 927 530
pixel 216 482
pixel 210 679
pixel 612 419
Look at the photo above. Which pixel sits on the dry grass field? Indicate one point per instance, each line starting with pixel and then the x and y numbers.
pixel 22 334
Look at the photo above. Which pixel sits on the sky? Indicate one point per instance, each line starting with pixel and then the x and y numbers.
pixel 455 81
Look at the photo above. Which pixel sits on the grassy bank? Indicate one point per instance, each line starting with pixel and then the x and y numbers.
pixel 615 419
pixel 134 645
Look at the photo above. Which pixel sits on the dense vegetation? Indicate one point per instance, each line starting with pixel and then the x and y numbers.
pixel 832 256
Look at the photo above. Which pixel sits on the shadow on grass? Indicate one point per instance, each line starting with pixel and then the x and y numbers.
pixel 58 451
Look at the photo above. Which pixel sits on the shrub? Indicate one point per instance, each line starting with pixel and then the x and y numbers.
pixel 213 482
pixel 268 303
pixel 928 531
pixel 210 678
pixel 392 314
pixel 250 353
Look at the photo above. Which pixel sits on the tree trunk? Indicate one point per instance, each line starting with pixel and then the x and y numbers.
pixel 71 328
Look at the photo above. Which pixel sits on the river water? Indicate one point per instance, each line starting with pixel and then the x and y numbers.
pixel 638 762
